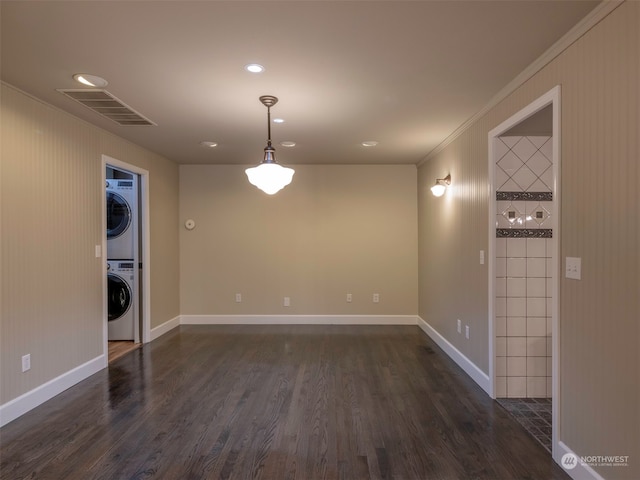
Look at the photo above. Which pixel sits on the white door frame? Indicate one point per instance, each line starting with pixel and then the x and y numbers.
pixel 144 255
pixel 552 97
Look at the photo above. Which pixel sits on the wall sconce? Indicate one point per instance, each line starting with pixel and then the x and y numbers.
pixel 441 185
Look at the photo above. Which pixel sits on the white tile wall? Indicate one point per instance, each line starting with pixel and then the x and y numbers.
pixel 523 271
pixel 523 317
pixel 524 164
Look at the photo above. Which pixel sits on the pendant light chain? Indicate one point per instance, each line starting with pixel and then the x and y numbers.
pixel 268 125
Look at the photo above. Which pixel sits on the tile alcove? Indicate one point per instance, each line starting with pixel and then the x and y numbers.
pixel 523 271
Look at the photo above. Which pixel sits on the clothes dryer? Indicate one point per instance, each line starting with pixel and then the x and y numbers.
pixel 121 300
pixel 122 218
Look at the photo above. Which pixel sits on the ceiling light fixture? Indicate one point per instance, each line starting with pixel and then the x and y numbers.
pixel 90 80
pixel 441 185
pixel 208 144
pixel 369 143
pixel 288 144
pixel 269 176
pixel 254 68
pixel 278 120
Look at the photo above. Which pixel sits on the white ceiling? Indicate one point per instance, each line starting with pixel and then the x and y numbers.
pixel 403 73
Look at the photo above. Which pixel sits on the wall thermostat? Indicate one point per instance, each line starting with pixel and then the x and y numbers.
pixel 190 224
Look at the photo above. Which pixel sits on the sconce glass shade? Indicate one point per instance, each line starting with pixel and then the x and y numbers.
pixel 269 176
pixel 438 190
pixel 441 186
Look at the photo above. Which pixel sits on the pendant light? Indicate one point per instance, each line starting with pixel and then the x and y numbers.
pixel 269 176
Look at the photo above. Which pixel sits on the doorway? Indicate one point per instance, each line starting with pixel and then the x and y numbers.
pixel 524 161
pixel 126 243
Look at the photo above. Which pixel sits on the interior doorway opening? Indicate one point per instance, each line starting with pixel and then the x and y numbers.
pixel 126 243
pixel 524 171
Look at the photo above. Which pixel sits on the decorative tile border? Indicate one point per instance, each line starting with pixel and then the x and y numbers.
pixel 531 196
pixel 524 233
pixel 523 214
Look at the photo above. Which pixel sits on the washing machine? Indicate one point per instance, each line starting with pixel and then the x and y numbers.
pixel 122 313
pixel 122 220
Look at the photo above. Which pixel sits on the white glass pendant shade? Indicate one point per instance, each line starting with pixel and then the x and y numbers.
pixel 438 190
pixel 270 177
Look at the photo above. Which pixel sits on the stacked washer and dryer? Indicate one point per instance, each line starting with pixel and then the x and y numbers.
pixel 122 249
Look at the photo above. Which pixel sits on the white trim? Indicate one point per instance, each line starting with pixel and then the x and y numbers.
pixel 553 98
pixel 298 319
pixel 582 470
pixel 555 281
pixel 534 107
pixel 30 400
pixel 470 368
pixel 145 255
pixel 491 281
pixel 594 17
pixel 165 327
pixel 103 260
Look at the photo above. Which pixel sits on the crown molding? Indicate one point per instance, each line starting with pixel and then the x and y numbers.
pixel 587 23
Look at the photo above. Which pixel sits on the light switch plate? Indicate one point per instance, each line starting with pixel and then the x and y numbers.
pixel 26 362
pixel 573 268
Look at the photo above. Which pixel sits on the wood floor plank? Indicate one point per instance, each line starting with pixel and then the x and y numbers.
pixel 275 402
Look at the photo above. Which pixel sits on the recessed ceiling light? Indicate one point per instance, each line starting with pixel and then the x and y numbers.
pixel 288 144
pixel 254 68
pixel 369 143
pixel 209 144
pixel 278 120
pixel 90 80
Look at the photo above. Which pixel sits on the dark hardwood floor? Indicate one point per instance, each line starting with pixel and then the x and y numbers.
pixel 275 402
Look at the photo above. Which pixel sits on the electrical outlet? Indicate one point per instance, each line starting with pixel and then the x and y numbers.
pixel 287 302
pixel 376 298
pixel 238 297
pixel 466 331
pixel 26 362
pixel 349 298
pixel 459 326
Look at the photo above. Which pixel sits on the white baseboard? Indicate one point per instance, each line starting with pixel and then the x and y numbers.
pixel 30 400
pixel 581 471
pixel 164 328
pixel 457 356
pixel 298 319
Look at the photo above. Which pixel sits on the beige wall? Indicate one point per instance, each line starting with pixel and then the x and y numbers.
pixel 334 230
pixel 599 315
pixel 51 194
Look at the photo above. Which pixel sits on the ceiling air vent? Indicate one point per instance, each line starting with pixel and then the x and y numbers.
pixel 105 104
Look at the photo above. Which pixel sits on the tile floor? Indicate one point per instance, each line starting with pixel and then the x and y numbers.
pixel 534 414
